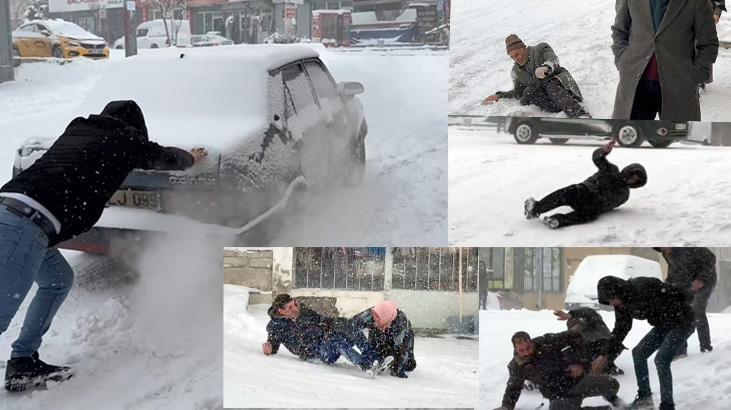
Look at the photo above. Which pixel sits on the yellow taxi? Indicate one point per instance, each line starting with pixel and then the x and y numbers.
pixel 57 38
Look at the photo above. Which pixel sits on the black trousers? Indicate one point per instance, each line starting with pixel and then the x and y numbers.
pixel 551 96
pixel 700 304
pixel 648 100
pixel 576 196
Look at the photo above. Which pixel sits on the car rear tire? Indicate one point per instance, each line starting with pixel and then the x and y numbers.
pixel 16 57
pixel 154 46
pixel 355 171
pixel 56 52
pixel 525 134
pixel 660 143
pixel 559 141
pixel 629 135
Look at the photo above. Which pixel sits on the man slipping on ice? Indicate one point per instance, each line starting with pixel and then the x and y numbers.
pixel 308 335
pixel 62 195
pixel 550 362
pixel 607 189
pixel 539 80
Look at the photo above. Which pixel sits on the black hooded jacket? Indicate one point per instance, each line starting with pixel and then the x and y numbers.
pixel 688 264
pixel 662 304
pixel 607 186
pixel 303 336
pixel 83 168
pixel 554 353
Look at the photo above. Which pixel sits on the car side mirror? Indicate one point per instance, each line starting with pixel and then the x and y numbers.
pixel 350 89
pixel 45 32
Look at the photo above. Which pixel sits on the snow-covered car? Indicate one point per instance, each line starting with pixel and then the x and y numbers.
pixel 629 133
pixel 57 38
pixel 153 34
pixel 210 40
pixel 582 289
pixel 273 119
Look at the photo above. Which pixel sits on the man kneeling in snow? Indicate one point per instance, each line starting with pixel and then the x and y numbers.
pixel 589 323
pixel 308 334
pixel 389 336
pixel 549 362
pixel 539 80
pixel 607 189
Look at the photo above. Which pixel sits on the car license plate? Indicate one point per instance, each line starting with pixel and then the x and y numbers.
pixel 681 126
pixel 137 199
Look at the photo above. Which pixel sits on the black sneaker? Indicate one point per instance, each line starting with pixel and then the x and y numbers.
pixel 642 403
pixel 550 222
pixel 667 406
pixel 528 208
pixel 29 372
pixel 708 349
pixel 616 402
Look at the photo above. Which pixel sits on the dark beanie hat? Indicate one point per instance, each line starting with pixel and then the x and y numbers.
pixel 278 303
pixel 513 42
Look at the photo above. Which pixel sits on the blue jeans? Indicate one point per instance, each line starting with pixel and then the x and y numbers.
pixel 667 343
pixel 330 350
pixel 25 258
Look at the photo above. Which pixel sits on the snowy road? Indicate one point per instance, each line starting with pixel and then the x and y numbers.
pixel 581 39
pixel 693 389
pixel 446 373
pixel 490 176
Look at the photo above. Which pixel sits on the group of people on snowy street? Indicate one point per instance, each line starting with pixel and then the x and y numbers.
pixel 378 339
pixel 62 195
pixel 663 50
pixel 605 190
pixel 578 363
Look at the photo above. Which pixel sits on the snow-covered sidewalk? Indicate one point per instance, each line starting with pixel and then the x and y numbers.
pixel 579 32
pixel 699 381
pixel 445 376
pixel 490 176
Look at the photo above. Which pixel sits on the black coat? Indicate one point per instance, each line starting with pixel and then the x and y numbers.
pixel 81 171
pixel 688 264
pixel 302 337
pixel 662 304
pixel 607 187
pixel 396 341
pixel 547 369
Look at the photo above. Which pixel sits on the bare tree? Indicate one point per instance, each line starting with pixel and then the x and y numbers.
pixel 18 10
pixel 169 10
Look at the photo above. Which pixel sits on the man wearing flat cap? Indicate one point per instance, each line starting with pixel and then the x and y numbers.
pixel 539 80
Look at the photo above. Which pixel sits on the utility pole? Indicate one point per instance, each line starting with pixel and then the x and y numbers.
pixel 6 44
pixel 130 36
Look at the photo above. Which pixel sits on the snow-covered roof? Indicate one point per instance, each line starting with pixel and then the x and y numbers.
pixel 189 96
pixel 363 17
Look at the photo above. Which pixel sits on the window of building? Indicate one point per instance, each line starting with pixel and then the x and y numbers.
pixel 434 269
pixel 541 268
pixel 492 267
pixel 340 268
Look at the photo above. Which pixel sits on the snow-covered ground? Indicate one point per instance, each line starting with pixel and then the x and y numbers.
pixel 490 176
pixel 579 32
pixel 403 198
pixel 699 381
pixel 136 341
pixel 445 376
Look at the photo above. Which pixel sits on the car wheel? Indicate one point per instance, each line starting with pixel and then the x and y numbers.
pixel 57 52
pixel 355 171
pixel 559 141
pixel 16 57
pixel 154 46
pixel 629 136
pixel 525 134
pixel 660 143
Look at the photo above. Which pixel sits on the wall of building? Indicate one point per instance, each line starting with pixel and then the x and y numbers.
pixel 431 309
pixel 249 267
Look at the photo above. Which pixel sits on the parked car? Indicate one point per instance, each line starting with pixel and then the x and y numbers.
pixel 57 38
pixel 629 133
pixel 274 121
pixel 209 40
pixel 582 289
pixel 152 34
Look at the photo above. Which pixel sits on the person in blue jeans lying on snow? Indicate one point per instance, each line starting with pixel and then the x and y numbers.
pixel 390 338
pixel 309 335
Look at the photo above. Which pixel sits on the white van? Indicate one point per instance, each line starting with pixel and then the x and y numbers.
pixel 582 291
pixel 152 34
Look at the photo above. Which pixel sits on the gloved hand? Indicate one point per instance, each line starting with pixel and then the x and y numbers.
pixel 399 373
pixel 543 71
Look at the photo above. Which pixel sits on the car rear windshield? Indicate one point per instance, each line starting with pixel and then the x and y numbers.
pixel 142 32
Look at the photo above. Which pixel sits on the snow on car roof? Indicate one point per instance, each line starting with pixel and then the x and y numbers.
pixel 190 96
pixel 592 268
pixel 67 29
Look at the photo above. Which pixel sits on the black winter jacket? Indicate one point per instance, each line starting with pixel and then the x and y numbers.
pixel 688 264
pixel 607 186
pixel 303 336
pixel 662 304
pixel 81 171
pixel 547 369
pixel 396 341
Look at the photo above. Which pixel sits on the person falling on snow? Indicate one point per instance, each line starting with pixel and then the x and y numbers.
pixel 539 80
pixel 607 189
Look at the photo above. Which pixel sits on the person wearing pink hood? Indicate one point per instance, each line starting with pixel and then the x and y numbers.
pixel 389 335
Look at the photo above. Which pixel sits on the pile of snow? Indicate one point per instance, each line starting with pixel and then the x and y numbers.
pixel 583 283
pixel 143 341
pixel 693 388
pixel 493 302
pixel 445 376
pixel 581 38
pixel 490 176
